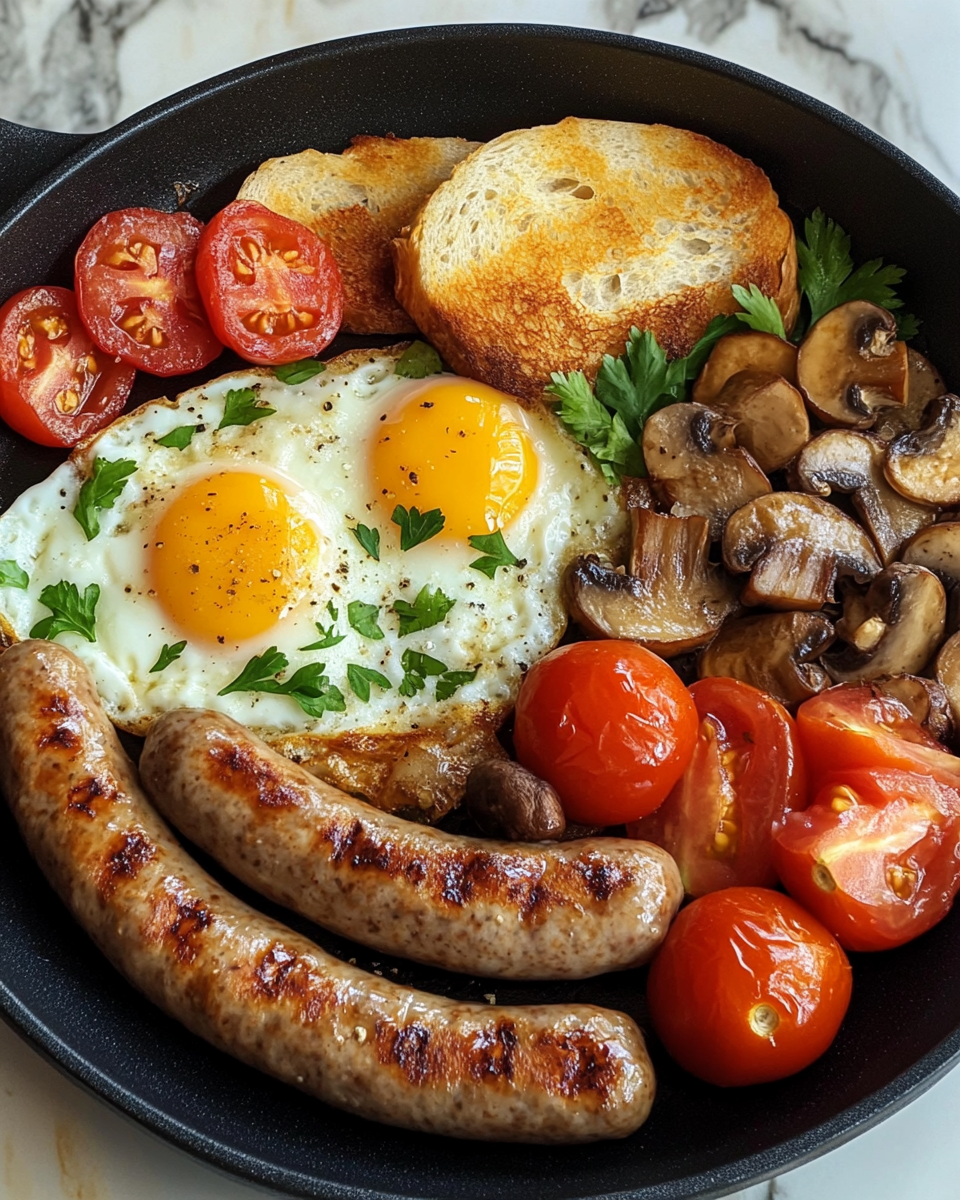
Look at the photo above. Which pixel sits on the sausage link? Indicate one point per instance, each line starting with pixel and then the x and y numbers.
pixel 267 995
pixel 508 910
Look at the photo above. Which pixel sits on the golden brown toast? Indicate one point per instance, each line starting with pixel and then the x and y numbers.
pixel 546 245
pixel 357 201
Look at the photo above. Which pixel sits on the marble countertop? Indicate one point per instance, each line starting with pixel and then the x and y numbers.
pixel 83 64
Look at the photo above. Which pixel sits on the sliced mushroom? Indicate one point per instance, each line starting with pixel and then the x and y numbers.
pixel 795 547
pixel 748 351
pixel 948 674
pixel 925 464
pixel 892 627
pixel 774 652
pixel 695 465
pixel 853 462
pixel 772 422
pixel 938 549
pixel 923 385
pixel 927 701
pixel 851 366
pixel 673 600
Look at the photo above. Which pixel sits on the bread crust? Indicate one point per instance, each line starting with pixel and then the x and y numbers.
pixel 547 244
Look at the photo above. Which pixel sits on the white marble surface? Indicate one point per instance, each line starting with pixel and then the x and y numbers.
pixel 83 64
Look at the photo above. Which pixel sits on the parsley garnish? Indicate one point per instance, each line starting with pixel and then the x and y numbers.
pixel 13 575
pixel 495 552
pixel 299 372
pixel 760 312
pixel 168 655
pixel 71 613
pixel 428 609
pixel 360 679
pixel 416 668
pixel 827 277
pixel 450 681
pixel 241 407
pixel 363 618
pixel 308 686
pixel 418 361
pixel 415 526
pixel 100 490
pixel 369 539
pixel 179 438
pixel 328 635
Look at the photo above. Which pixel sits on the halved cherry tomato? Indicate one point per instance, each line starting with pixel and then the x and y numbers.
pixel 271 287
pixel 848 727
pixel 747 987
pixel 876 856
pixel 56 387
pixel 609 724
pixel 746 772
pixel 137 291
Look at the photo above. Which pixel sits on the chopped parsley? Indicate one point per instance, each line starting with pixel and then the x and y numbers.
pixel 179 438
pixel 241 407
pixel 495 553
pixel 100 490
pixel 360 679
pixel 417 668
pixel 13 575
pixel 328 635
pixel 418 361
pixel 364 619
pixel 415 526
pixel 300 371
pixel 427 610
pixel 70 612
pixel 308 686
pixel 168 655
pixel 369 539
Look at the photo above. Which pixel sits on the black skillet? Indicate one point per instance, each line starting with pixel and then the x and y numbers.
pixel 903 1030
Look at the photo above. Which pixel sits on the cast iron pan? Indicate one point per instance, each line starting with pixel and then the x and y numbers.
pixel 903 1030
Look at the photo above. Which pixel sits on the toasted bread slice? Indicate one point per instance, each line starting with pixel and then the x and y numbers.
pixel 357 201
pixel 548 244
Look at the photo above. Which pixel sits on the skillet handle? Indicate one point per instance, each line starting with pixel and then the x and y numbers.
pixel 28 154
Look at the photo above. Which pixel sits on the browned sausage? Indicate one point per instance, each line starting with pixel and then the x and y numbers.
pixel 271 997
pixel 509 910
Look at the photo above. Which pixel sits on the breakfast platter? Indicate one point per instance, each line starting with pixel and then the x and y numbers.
pixel 343 480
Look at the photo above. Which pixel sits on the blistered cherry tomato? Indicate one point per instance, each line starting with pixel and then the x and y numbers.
pixel 876 857
pixel 271 287
pixel 746 772
pixel 56 387
pixel 747 987
pixel 609 724
pixel 137 291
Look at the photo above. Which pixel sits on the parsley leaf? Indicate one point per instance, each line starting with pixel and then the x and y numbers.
pixel 417 527
pixel 908 326
pixel 13 575
pixel 179 438
pixel 71 612
pixel 363 618
pixel 416 668
pixel 308 686
pixel 495 552
pixel 168 655
pixel 640 381
pixel 760 311
pixel 300 371
pixel 360 679
pixel 450 681
pixel 369 539
pixel 418 361
pixel 100 490
pixel 606 437
pixel 328 636
pixel 261 667
pixel 241 407
pixel 427 610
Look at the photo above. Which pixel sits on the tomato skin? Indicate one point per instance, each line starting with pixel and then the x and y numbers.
pixel 72 389
pixel 739 952
pixel 745 774
pixel 609 725
pixel 136 268
pixel 876 857
pixel 269 308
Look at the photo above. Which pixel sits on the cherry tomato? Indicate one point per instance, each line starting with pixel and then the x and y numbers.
pixel 747 987
pixel 271 287
pixel 848 727
pixel 876 856
pixel 746 772
pixel 56 387
pixel 609 724
pixel 137 291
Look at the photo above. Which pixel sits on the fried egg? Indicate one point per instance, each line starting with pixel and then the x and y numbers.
pixel 237 539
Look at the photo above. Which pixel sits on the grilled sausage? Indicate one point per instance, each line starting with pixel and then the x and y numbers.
pixel 509 910
pixel 256 989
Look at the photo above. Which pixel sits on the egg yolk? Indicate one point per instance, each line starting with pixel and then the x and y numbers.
pixel 231 556
pixel 461 447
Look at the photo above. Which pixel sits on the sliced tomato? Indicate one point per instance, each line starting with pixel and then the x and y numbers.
pixel 876 857
pixel 745 774
pixel 271 287
pixel 56 387
pixel 848 727
pixel 137 291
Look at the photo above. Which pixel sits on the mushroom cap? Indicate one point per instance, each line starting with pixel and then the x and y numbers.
pixel 795 547
pixel 924 465
pixel 747 351
pixel 948 674
pixel 508 801
pixel 924 383
pixel 938 549
pixel 772 422
pixel 851 366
